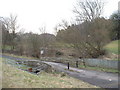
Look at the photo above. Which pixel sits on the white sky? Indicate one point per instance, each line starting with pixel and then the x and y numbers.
pixel 33 14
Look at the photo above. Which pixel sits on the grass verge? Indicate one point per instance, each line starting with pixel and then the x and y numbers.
pixel 99 69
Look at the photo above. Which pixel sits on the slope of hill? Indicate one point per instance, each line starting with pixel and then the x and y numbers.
pixel 112 50
pixel 112 47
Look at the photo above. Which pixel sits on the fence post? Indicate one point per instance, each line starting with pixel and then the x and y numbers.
pixel 84 63
pixel 77 64
pixel 68 65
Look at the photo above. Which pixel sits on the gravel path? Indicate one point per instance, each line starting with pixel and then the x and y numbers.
pixel 98 78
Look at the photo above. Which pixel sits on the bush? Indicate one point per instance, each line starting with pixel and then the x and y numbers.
pixel 98 53
pixel 58 53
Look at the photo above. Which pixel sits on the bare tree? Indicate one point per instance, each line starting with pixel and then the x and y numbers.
pixel 63 25
pixel 88 10
pixel 45 38
pixel 60 26
pixel 87 38
pixel 21 41
pixel 5 32
pixel 43 31
pixel 13 27
pixel 6 22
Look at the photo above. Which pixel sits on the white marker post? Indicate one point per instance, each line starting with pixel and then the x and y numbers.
pixel 41 53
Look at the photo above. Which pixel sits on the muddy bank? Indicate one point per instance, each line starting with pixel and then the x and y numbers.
pixel 34 66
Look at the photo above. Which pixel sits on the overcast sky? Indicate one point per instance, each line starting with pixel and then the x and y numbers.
pixel 33 14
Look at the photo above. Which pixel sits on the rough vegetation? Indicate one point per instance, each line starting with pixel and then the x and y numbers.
pixel 16 78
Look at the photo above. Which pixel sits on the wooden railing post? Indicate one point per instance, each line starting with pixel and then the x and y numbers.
pixel 77 64
pixel 68 65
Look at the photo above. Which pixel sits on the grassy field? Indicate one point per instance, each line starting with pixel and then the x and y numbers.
pixel 16 78
pixel 113 47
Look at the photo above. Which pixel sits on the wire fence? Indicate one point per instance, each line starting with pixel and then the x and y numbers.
pixel 110 64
